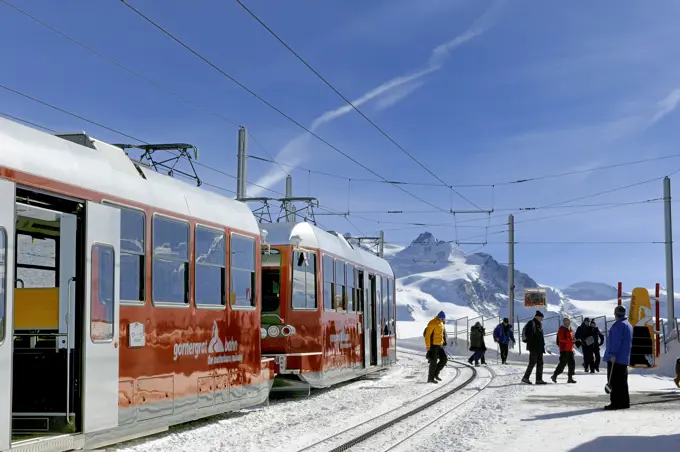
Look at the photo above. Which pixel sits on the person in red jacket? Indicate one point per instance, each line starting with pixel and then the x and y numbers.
pixel 565 339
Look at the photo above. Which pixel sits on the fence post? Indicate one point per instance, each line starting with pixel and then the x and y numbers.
pixel 519 332
pixel 658 331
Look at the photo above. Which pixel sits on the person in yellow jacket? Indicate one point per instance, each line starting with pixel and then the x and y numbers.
pixel 435 339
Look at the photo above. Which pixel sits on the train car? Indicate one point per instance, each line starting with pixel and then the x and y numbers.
pixel 129 300
pixel 328 307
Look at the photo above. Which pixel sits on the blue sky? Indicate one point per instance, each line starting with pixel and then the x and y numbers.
pixel 479 91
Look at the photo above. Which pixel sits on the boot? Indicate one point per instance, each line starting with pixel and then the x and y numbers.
pixel 526 381
pixel 571 380
pixel 592 371
pixel 541 382
pixel 470 360
pixel 438 378
pixel 433 381
pixel 554 378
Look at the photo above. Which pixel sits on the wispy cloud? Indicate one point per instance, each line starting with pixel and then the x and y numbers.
pixel 385 95
pixel 666 106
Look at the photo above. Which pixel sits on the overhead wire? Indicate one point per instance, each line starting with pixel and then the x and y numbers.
pixel 7 115
pixel 269 104
pixel 232 122
pixel 351 104
pixel 140 76
pixel 494 184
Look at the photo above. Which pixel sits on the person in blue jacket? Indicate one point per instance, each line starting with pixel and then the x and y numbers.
pixel 617 356
pixel 502 335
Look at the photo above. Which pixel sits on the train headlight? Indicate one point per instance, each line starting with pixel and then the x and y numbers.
pixel 263 333
pixel 273 331
pixel 288 330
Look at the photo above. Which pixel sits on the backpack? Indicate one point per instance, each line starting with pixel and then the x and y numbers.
pixel 524 332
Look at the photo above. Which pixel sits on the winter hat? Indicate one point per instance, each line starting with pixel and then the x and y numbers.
pixel 441 315
pixel 539 314
pixel 586 320
pixel 505 320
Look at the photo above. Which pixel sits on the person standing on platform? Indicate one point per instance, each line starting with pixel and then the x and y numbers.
pixel 477 345
pixel 584 339
pixel 599 340
pixel 532 335
pixel 502 335
pixel 434 343
pixel 565 340
pixel 617 356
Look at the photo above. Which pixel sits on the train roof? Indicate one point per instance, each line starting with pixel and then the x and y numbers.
pixel 106 169
pixel 314 237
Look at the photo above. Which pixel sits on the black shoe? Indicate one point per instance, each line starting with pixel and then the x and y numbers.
pixel 433 381
pixel 571 380
pixel 438 378
pixel 597 369
pixel 476 364
pixel 541 382
pixel 554 378
pixel 526 381
pixel 470 360
pixel 592 371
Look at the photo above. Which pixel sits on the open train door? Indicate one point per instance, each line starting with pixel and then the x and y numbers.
pixel 101 318
pixel 7 225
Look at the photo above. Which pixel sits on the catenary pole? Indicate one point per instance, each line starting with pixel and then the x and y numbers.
pixel 241 164
pixel 290 214
pixel 511 267
pixel 670 291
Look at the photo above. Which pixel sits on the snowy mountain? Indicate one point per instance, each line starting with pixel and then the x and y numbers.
pixel 434 275
pixel 591 291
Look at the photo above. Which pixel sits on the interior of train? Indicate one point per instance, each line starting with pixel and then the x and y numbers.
pixel 46 380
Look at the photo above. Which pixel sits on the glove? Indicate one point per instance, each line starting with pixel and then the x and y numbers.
pixel 578 344
pixel 428 354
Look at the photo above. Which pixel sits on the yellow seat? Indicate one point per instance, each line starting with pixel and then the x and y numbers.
pixel 36 308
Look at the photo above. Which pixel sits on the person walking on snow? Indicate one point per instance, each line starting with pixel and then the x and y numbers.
pixel 502 335
pixel 477 344
pixel 532 335
pixel 598 341
pixel 584 339
pixel 434 343
pixel 617 356
pixel 565 340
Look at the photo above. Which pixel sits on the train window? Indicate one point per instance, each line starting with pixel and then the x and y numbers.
pixel 378 306
pixel 271 281
pixel 383 310
pixel 210 270
pixel 328 282
pixel 242 271
pixel 340 285
pixel 3 280
pixel 170 260
pixel 350 287
pixel 390 305
pixel 132 255
pixel 102 296
pixel 304 280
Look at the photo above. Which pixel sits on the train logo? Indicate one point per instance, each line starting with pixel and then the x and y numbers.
pixel 218 351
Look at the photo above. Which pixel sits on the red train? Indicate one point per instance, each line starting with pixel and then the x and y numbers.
pixel 328 308
pixel 130 301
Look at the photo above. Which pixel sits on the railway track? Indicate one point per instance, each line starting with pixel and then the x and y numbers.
pixel 380 425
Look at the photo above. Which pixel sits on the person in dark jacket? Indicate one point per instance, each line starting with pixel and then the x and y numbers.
pixel 502 335
pixel 477 343
pixel 598 341
pixel 565 340
pixel 617 355
pixel 584 339
pixel 533 332
pixel 677 373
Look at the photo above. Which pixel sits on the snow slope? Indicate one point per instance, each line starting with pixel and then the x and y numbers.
pixel 591 291
pixel 434 275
